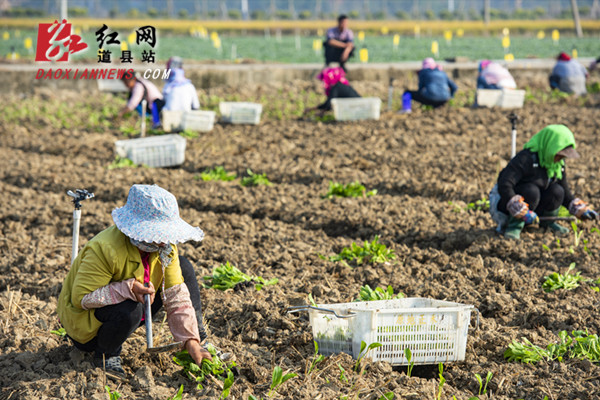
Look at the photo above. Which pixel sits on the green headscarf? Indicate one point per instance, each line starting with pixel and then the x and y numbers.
pixel 547 143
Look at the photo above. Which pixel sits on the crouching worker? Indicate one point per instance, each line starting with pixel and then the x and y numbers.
pixel 568 75
pixel 336 86
pixel 435 88
pixel 140 89
pixel 102 299
pixel 535 182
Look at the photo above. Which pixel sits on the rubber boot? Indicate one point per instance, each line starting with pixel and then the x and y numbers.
pixel 514 228
pixel 553 225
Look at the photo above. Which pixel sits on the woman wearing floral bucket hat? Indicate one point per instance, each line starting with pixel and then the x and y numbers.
pixel 102 298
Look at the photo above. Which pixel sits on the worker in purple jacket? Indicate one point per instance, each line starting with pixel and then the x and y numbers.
pixel 339 44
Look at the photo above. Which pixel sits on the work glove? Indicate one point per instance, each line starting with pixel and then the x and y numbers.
pixel 530 217
pixel 581 210
pixel 589 215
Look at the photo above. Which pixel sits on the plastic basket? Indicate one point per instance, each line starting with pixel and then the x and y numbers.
pixel 434 330
pixel 112 86
pixel 507 98
pixel 197 120
pixel 240 112
pixel 171 120
pixel 356 108
pixel 154 151
pixel 512 98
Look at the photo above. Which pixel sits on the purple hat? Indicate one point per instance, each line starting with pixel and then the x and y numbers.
pixel 151 215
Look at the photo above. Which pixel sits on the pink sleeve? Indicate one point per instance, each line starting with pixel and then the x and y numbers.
pixel 113 293
pixel 137 94
pixel 181 316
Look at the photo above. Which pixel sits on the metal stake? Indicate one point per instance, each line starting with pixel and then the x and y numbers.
pixel 513 121
pixel 78 196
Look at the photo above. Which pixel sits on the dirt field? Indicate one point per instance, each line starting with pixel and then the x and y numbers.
pixel 427 166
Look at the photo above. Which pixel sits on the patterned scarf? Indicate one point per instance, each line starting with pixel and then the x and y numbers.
pixel 164 253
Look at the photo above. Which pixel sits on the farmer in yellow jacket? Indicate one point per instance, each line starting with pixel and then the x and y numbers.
pixel 102 298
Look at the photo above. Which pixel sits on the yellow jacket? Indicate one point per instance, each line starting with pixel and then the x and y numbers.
pixel 108 257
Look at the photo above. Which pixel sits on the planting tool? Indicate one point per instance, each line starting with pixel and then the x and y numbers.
pixel 149 341
pixel 513 122
pixel 143 128
pixel 390 94
pixel 78 196
pixel 557 218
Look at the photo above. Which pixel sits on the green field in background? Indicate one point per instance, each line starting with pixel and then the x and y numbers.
pixel 284 49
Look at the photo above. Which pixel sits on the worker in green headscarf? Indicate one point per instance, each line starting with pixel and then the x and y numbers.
pixel 535 182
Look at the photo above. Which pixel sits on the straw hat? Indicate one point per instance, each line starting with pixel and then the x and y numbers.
pixel 151 215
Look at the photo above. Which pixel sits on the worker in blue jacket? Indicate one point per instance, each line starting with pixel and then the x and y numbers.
pixel 435 88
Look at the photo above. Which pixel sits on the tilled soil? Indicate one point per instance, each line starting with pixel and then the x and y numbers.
pixel 426 166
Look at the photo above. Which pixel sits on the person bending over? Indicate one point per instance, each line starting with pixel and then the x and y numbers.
pixel 102 298
pixel 535 182
pixel 336 86
pixel 435 88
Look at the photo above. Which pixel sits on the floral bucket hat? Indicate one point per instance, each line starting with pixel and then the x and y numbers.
pixel 151 215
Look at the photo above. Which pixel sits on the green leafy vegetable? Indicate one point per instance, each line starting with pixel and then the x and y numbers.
pixel 564 281
pixel 217 174
pixel 371 252
pixel 112 395
pixel 279 379
pixel 368 294
pixel 121 162
pixel 354 189
pixel 364 350
pixel 227 276
pixel 60 332
pixel 255 179
pixel 218 368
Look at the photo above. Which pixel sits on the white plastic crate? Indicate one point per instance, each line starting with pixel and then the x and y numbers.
pixel 356 108
pixel 112 86
pixel 171 121
pixel 506 98
pixel 240 112
pixel 197 120
pixel 153 151
pixel 434 330
pixel 512 98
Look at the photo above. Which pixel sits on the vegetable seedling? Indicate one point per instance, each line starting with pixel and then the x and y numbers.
pixel 218 173
pixel 279 379
pixel 178 395
pixel 220 369
pixel 60 332
pixel 255 179
pixel 342 373
pixel 364 350
pixel 122 162
pixel 317 358
pixel 564 281
pixel 482 387
pixel 353 189
pixel 368 294
pixel 189 134
pixel 411 364
pixel 371 252
pixel 442 381
pixel 227 276
pixel 112 395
